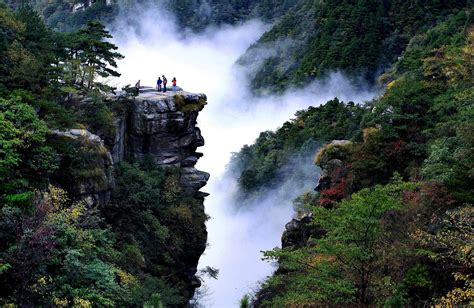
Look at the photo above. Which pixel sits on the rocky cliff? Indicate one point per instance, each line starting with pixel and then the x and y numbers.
pixel 163 126
pixel 333 184
pixel 157 126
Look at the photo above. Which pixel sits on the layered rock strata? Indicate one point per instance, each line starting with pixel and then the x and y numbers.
pixel 160 126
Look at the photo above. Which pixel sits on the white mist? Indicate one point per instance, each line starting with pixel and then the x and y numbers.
pixel 204 63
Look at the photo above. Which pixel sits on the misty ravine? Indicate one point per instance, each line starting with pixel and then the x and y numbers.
pixel 205 63
pixel 304 154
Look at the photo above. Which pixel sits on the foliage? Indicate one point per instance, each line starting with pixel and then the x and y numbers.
pixel 57 252
pixel 356 37
pixel 374 250
pixel 156 227
pixel 63 255
pixel 90 55
pixel 245 301
pixel 260 164
pixel 387 242
pixel 452 248
pixel 25 158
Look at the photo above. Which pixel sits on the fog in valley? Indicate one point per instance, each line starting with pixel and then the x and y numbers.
pixel 205 63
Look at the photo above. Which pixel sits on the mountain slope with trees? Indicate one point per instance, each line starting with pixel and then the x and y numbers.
pixel 359 38
pixel 57 247
pixel 391 222
pixel 195 15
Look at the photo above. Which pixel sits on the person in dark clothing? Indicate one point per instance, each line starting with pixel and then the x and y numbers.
pixel 137 87
pixel 165 81
pixel 158 84
pixel 174 84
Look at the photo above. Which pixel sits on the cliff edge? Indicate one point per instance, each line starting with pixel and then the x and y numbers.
pixel 161 127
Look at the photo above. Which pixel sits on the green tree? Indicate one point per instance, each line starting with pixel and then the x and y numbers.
pixel 90 56
pixel 343 266
pixel 25 158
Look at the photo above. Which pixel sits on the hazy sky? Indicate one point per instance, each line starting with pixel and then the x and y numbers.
pixel 205 64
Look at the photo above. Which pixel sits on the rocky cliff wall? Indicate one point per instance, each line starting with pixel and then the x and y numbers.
pixel 156 125
pixel 159 126
pixel 333 185
pixel 164 127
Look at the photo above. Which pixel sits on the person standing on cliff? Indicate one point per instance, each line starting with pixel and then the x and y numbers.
pixel 165 81
pixel 158 84
pixel 137 87
pixel 174 84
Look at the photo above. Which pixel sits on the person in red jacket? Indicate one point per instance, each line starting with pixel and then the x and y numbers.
pixel 174 84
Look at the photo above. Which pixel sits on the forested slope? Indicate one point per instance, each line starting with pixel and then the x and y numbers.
pixel 76 227
pixel 194 15
pixel 391 220
pixel 359 38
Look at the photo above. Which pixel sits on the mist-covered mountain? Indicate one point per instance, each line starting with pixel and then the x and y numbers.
pixel 307 39
pixel 359 38
pixel 391 220
pixel 99 198
pixel 191 14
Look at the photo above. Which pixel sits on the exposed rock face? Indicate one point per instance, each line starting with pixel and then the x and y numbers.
pixel 157 125
pixel 297 232
pixel 163 126
pixel 118 150
pixel 93 181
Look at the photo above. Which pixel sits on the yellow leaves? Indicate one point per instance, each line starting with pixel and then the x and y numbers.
pixel 41 283
pixel 171 189
pixel 7 20
pixel 81 303
pixel 336 146
pixel 391 84
pixel 43 280
pixel 321 152
pixel 300 123
pixel 319 258
pixel 369 132
pixel 126 278
pixel 184 213
pixel 453 66
pixel 60 302
pixel 458 296
pixel 76 212
pixel 56 196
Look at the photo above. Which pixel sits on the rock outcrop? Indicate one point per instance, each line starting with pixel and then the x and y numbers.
pixel 163 126
pixel 160 126
pixel 333 184
pixel 90 180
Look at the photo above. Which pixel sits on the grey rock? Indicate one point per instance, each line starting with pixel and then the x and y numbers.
pixel 341 142
pixel 97 188
pixel 192 180
pixel 118 149
pixel 189 161
pixel 76 133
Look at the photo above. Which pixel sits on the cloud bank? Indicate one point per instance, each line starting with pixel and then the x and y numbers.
pixel 153 45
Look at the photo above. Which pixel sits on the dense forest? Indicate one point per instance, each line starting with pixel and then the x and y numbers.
pixel 195 15
pixel 390 223
pixel 57 250
pixel 359 38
